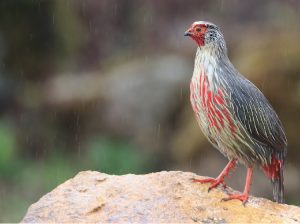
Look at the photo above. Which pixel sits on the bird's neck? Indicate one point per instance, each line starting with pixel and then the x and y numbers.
pixel 209 61
pixel 206 64
pixel 210 54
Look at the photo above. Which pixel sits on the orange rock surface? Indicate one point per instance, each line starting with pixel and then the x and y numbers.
pixel 156 197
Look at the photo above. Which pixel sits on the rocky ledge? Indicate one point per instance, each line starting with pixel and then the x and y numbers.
pixel 156 197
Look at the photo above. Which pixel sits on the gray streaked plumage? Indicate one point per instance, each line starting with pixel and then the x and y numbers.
pixel 258 133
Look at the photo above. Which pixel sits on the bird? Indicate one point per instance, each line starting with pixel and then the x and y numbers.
pixel 234 114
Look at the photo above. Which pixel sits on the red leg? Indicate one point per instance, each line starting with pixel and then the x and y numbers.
pixel 244 196
pixel 220 178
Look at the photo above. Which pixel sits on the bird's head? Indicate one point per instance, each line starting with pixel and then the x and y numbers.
pixel 204 33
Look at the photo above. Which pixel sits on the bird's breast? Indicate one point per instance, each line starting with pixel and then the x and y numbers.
pixel 210 102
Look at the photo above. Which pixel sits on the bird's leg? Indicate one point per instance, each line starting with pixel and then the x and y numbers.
pixel 220 178
pixel 244 196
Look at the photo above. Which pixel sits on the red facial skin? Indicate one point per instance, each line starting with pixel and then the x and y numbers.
pixel 196 32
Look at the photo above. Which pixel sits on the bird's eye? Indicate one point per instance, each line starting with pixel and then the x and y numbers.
pixel 198 29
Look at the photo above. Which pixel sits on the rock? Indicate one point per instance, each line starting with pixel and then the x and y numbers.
pixel 156 197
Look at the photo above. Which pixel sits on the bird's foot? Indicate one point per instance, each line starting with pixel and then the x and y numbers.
pixel 243 197
pixel 220 178
pixel 215 182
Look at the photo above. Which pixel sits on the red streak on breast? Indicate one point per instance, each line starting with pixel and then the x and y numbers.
pixel 272 169
pixel 209 101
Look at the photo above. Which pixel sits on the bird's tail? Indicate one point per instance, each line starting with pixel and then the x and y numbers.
pixel 278 186
pixel 274 170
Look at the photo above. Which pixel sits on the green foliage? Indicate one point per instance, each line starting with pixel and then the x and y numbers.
pixel 30 179
pixel 115 157
pixel 7 145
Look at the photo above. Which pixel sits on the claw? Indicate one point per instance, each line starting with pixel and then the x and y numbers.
pixel 225 186
pixel 223 199
pixel 243 197
pixel 219 179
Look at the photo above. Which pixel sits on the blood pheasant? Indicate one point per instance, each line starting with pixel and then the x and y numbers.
pixel 233 114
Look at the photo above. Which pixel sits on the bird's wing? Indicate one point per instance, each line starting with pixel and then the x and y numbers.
pixel 257 116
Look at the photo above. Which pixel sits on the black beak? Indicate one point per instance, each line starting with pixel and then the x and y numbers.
pixel 186 33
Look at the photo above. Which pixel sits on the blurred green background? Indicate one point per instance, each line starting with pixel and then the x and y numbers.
pixel 104 85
